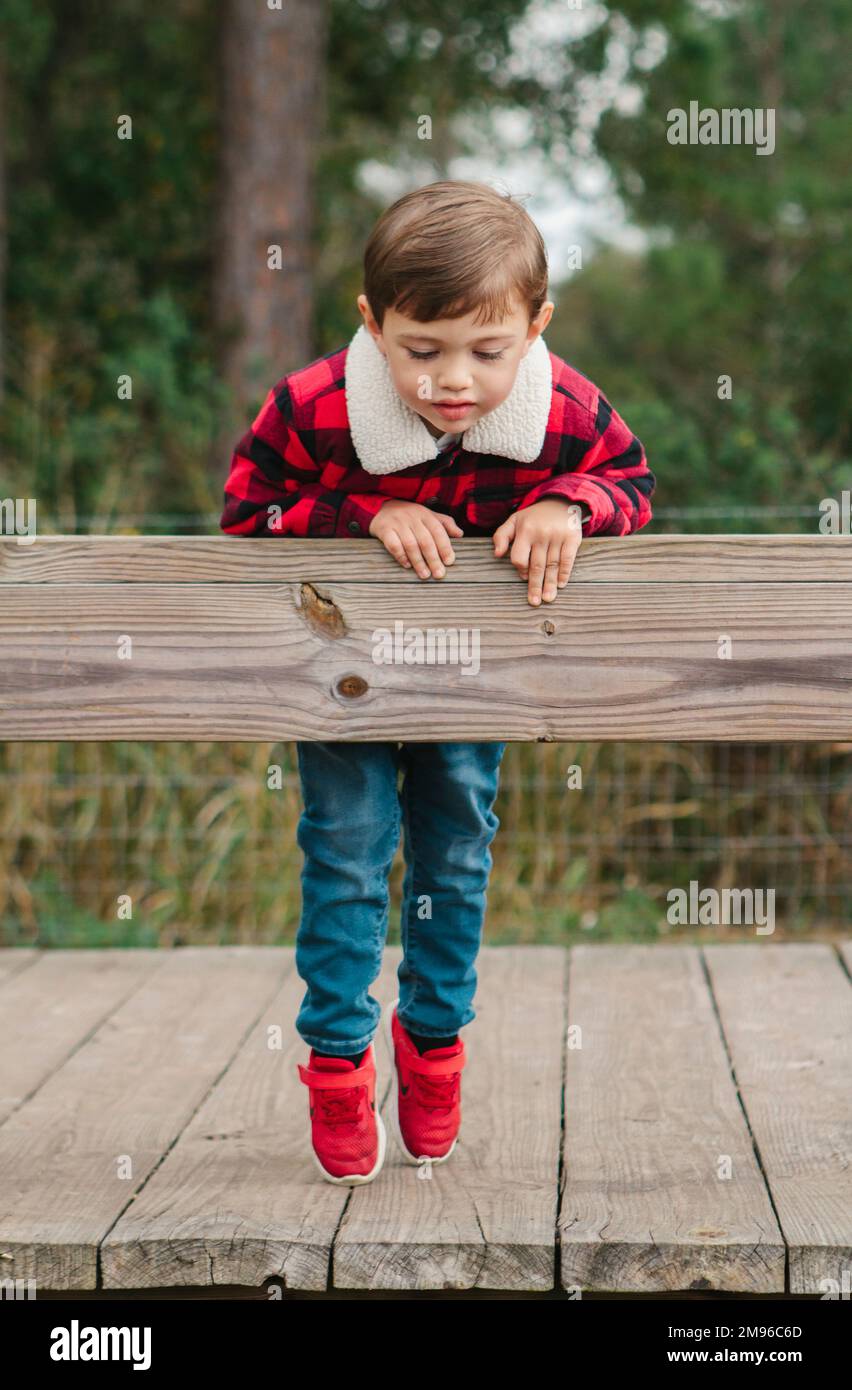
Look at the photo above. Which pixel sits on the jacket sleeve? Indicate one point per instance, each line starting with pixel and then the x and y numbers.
pixel 612 483
pixel 272 488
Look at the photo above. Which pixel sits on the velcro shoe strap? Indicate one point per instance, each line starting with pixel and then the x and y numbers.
pixel 438 1066
pixel 334 1080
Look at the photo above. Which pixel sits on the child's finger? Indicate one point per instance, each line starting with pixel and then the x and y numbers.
pixel 566 563
pixel 412 550
pixel 503 536
pixel 430 540
pixel 441 539
pixel 551 570
pixel 535 567
pixel 393 545
pixel 520 556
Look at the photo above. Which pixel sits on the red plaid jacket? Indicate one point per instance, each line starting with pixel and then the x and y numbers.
pixel 296 471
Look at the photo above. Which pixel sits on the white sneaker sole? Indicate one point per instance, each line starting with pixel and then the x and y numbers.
pixel 393 1106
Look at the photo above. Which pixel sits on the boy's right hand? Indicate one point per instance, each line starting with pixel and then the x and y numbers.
pixel 416 536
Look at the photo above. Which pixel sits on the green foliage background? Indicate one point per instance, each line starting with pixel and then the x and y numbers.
pixel 747 273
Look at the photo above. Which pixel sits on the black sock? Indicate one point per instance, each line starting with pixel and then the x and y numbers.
pixel 423 1044
pixel 357 1060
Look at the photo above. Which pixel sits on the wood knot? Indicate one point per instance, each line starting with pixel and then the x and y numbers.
pixel 351 687
pixel 320 613
pixel 549 627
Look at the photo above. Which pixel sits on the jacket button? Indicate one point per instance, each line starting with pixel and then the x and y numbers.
pixel 355 527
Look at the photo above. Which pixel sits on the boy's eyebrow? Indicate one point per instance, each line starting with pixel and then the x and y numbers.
pixel 427 338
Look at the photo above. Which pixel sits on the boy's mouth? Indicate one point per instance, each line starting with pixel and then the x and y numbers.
pixel 454 410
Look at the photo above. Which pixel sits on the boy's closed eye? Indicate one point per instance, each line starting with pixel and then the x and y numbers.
pixel 483 356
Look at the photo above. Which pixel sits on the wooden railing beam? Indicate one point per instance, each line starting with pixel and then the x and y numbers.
pixel 741 638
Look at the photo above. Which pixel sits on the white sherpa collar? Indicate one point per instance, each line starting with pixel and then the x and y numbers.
pixel 388 435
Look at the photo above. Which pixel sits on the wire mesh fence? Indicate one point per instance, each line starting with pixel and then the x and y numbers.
pixel 169 843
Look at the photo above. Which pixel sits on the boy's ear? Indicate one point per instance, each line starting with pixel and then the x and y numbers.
pixel 544 315
pixel 538 325
pixel 367 315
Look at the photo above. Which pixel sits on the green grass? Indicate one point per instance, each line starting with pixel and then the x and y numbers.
pixel 191 836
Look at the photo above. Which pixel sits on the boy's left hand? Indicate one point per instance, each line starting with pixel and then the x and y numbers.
pixel 546 539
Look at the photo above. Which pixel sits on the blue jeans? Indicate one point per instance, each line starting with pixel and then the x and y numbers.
pixel 349 832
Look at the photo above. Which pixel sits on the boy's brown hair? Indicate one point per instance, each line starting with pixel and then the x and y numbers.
pixel 449 248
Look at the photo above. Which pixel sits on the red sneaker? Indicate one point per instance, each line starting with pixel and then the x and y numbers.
pixel 347 1132
pixel 427 1114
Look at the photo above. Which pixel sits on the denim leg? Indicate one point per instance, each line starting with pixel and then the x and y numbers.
pixel 348 832
pixel 448 825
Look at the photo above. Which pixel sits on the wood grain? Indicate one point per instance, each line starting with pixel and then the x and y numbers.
pixel 238 1198
pixel 73 1157
pixel 710 1092
pixel 637 559
pixel 55 1005
pixel 15 958
pixel 652 1128
pixel 487 1218
pixel 786 1011
pixel 264 662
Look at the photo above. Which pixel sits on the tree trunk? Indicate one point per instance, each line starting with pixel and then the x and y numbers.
pixel 272 65
pixel 3 225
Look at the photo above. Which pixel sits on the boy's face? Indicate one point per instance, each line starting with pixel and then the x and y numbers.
pixel 452 371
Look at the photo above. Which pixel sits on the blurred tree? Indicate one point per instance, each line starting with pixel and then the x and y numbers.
pixel 406 79
pixel 272 62
pixel 753 260
pixel 3 229
pixel 121 253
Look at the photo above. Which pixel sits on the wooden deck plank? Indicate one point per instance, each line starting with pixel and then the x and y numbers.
pixel 72 1157
pixel 487 1219
pixel 266 662
pixel 786 1011
pixel 180 1079
pixel 642 558
pixel 14 959
pixel 241 1211
pixel 651 1116
pixel 238 1199
pixel 69 993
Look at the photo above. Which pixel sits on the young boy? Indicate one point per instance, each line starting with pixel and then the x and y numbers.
pixel 445 416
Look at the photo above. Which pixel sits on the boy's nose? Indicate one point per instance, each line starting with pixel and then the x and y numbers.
pixel 454 376
pixel 453 387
